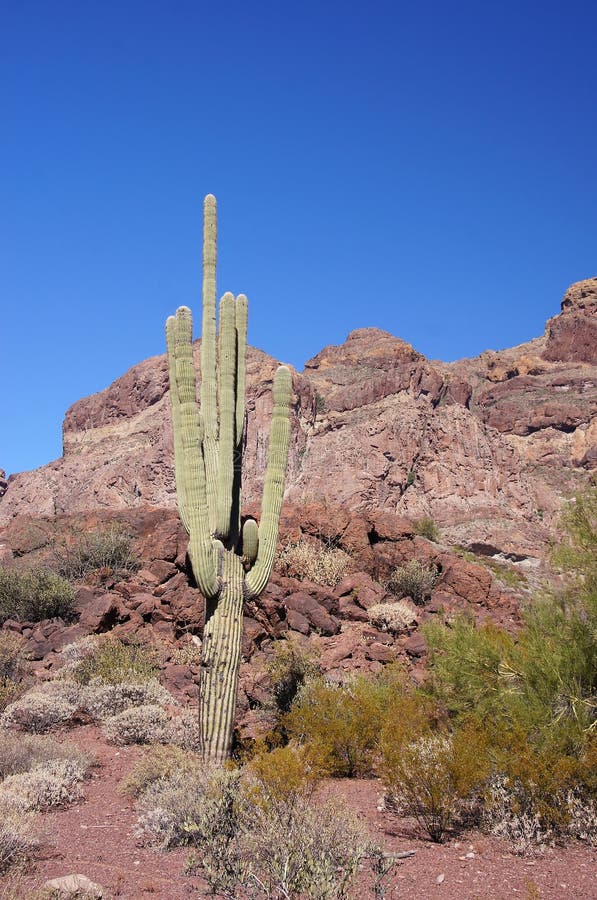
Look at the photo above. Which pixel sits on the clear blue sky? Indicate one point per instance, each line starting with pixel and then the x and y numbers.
pixel 429 168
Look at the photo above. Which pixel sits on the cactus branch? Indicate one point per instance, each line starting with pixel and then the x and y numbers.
pixel 273 489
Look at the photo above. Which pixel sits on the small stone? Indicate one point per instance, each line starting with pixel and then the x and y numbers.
pixel 440 878
pixel 470 855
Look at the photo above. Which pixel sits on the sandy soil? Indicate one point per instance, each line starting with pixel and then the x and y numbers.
pixel 96 837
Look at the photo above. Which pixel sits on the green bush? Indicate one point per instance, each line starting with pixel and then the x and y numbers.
pixel 11 660
pixel 339 725
pixel 290 666
pixel 537 696
pixel 465 662
pixel 111 661
pixel 433 775
pixel 109 548
pixel 30 595
pixel 427 528
pixel 414 580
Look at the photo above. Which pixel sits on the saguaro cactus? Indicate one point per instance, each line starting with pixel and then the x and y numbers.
pixel 230 564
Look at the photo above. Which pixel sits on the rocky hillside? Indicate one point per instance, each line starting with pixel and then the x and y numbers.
pixel 487 447
pixel 381 437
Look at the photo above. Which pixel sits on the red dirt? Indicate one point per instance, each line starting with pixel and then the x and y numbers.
pixel 96 837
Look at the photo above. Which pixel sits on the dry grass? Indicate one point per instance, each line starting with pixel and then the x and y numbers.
pixel 392 617
pixel 324 565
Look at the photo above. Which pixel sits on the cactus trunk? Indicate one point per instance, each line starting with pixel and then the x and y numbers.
pixel 229 564
pixel 221 653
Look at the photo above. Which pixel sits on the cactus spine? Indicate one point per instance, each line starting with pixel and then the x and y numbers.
pixel 229 564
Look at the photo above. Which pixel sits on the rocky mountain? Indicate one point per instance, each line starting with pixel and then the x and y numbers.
pixel 487 447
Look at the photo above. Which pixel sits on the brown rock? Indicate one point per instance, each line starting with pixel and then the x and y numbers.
pixel 51 637
pixel 179 680
pixel 466 579
pixel 315 614
pixel 349 610
pixel 380 652
pixel 572 336
pixel 298 622
pixel 360 589
pixel 415 644
pixel 101 613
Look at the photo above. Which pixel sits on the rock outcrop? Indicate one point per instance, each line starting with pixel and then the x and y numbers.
pixel 487 447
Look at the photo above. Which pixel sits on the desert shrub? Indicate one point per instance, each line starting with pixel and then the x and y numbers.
pixel 48 784
pixel 38 711
pixel 509 814
pixel 11 650
pixel 339 725
pixel 188 808
pixel 11 654
pixel 73 654
pixel 556 667
pixel 545 680
pixel 112 661
pixel 577 551
pixel 465 663
pixel 427 528
pixel 434 776
pixel 414 580
pixel 234 829
pixel 10 691
pixel 281 776
pixel 16 836
pixel 290 666
pixel 137 725
pixel 103 700
pixel 582 817
pixel 161 761
pixel 21 752
pixel 392 617
pixel 109 548
pixel 535 791
pixel 558 644
pixel 183 731
pixel 316 854
pixel 322 564
pixel 187 655
pixel 30 595
pixel 61 689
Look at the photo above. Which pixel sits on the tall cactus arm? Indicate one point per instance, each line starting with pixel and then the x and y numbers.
pixel 191 468
pixel 242 315
pixel 273 490
pixel 209 407
pixel 227 406
pixel 179 469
